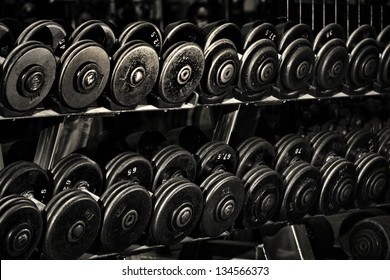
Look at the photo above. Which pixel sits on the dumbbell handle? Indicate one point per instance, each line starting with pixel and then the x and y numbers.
pixel 39 204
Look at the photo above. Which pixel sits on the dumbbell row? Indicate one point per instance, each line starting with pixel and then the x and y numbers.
pixel 96 67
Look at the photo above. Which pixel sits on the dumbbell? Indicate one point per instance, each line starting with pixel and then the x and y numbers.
pixel 259 61
pixel 372 168
pixel 125 205
pixel 27 74
pixel 263 186
pixel 338 175
pixel 363 60
pixel 382 82
pixel 223 192
pixel 71 219
pixel 296 62
pixel 331 61
pixel 83 70
pixel 301 180
pixel 221 40
pixel 135 66
pixel 182 65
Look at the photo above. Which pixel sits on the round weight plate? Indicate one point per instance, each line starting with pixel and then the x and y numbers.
pixel 364 62
pixel 96 31
pixel 126 211
pixel 25 178
pixel 27 76
pixel 72 224
pixel 359 143
pixel 79 173
pixel 363 32
pixel 181 72
pixel 254 153
pixel 84 73
pixel 331 64
pixel 144 31
pixel 6 40
pixel 259 66
pixel 171 162
pixel 129 166
pixel 215 156
pixel 224 196
pixel 370 239
pixel 181 31
pixel 221 68
pixel 262 196
pixel 329 32
pixel 321 236
pixel 384 37
pixel 20 227
pixel 296 65
pixel 296 148
pixel 301 192
pixel 338 186
pixel 384 67
pixel 255 31
pixel 372 182
pixel 221 30
pixel 327 146
pixel 176 213
pixel 384 147
pixel 134 74
pixel 294 32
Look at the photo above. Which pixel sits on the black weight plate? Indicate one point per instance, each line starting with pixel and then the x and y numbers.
pixel 384 37
pixel 72 224
pixel 129 166
pixel 176 213
pixel 296 148
pixel 20 227
pixel 363 32
pixel 214 156
pixel 263 191
pixel 331 64
pixel 292 33
pixel 384 147
pixel 363 141
pixel 256 153
pixel 144 31
pixel 327 146
pixel 255 31
pixel 181 72
pixel 314 140
pixel 364 62
pixel 26 178
pixel 173 163
pixel 224 196
pixel 134 74
pixel 221 67
pixel 329 32
pixel 96 31
pixel 6 40
pixel 259 66
pixel 321 237
pixel 28 75
pixel 126 211
pixel 181 31
pixel 296 65
pixel 384 67
pixel 84 73
pixel 283 141
pixel 338 186
pixel 80 173
pixel 301 192
pixel 373 179
pixel 370 239
pixel 215 31
pixel 383 133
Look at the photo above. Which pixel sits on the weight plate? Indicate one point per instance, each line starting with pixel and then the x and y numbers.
pixel 176 213
pixel 338 186
pixel 72 224
pixel 221 30
pixel 20 227
pixel 328 33
pixel 258 30
pixel 134 74
pixel 259 66
pixel 254 153
pixel 294 32
pixel 25 178
pixel 370 239
pixel 301 192
pixel 363 32
pixel 173 161
pixel 384 37
pixel 6 40
pixel 126 210
pixel 262 199
pixel 384 67
pixel 129 166
pixel 224 196
pixel 181 72
pixel 321 237
pixel 221 68
pixel 181 31
pixel 27 76
pixel 144 31
pixel 327 146
pixel 214 156
pixel 360 142
pixel 84 73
